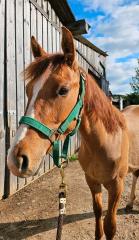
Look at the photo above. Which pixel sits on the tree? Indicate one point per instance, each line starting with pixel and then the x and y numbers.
pixel 131 99
pixel 135 81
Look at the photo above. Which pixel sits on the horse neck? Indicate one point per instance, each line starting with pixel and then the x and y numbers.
pixel 99 117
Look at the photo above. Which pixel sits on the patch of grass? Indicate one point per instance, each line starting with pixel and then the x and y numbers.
pixel 73 157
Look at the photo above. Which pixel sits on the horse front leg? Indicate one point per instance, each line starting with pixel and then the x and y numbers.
pixel 115 189
pixel 97 206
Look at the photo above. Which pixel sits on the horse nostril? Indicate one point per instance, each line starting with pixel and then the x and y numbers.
pixel 23 162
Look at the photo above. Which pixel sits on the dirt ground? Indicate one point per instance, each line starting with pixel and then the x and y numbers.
pixel 32 212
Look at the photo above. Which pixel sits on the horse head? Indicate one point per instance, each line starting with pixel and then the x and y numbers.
pixel 52 88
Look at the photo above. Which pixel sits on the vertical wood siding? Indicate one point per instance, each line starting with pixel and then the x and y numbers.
pixel 19 20
pixel 2 104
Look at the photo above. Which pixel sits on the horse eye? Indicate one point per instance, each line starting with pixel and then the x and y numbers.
pixel 63 91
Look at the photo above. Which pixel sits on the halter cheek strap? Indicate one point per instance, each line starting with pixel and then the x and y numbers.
pixel 74 115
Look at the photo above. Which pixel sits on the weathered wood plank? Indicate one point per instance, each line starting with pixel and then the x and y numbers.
pixel 58 36
pixel 11 80
pixel 27 37
pixel 44 5
pixel 27 46
pixel 78 54
pixel 49 30
pixel 39 28
pixel 45 25
pixel 54 47
pixel 33 33
pixel 45 41
pixel 81 52
pixel 33 23
pixel 39 2
pixel 85 52
pixel 2 130
pixel 45 46
pixel 72 145
pixel 50 49
pixel 19 67
pixel 40 40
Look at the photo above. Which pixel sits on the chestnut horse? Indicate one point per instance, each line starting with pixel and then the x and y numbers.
pixel 52 89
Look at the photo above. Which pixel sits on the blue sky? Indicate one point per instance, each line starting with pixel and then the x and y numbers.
pixel 115 29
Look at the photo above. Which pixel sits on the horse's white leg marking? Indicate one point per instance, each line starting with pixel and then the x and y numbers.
pixel 133 189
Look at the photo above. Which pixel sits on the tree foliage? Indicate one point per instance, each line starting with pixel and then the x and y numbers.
pixel 132 99
pixel 135 81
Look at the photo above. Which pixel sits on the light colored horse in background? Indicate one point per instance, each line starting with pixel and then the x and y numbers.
pixel 109 138
pixel 131 114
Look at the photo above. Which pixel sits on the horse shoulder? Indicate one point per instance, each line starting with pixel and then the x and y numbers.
pixel 102 153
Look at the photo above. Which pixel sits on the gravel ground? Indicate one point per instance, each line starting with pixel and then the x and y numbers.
pixel 32 212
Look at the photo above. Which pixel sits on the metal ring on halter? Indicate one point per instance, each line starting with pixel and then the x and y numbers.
pixel 64 164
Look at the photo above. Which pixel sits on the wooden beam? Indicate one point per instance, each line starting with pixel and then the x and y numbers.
pixel 63 11
pixel 78 27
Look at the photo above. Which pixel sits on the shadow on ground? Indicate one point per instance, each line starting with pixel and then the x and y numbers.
pixel 28 228
pixel 24 229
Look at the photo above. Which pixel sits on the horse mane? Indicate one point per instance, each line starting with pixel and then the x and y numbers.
pixel 36 68
pixel 99 106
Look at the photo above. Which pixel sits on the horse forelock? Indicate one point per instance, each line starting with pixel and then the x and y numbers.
pixel 99 107
pixel 39 65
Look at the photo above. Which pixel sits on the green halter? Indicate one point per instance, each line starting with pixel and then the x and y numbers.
pixel 74 115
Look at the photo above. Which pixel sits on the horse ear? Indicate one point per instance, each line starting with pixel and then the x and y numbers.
pixel 37 50
pixel 68 46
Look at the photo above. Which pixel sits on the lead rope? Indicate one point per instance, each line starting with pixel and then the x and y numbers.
pixel 62 204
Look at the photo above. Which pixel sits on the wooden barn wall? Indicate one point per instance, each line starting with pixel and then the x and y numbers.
pixel 2 96
pixel 90 59
pixel 19 20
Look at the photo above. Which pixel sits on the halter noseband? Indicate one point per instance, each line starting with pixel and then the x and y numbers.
pixel 74 115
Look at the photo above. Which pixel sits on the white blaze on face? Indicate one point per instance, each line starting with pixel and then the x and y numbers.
pixel 22 130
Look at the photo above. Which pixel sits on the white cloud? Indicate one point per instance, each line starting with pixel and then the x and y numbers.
pixel 120 74
pixel 121 31
pixel 101 5
pixel 118 27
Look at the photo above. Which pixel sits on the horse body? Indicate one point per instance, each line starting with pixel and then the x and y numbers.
pixel 131 114
pixel 106 143
pixel 102 156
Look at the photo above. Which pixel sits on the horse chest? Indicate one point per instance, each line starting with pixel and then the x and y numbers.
pixel 101 161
